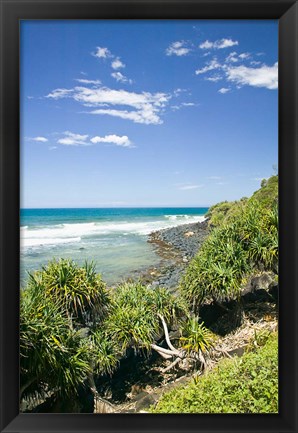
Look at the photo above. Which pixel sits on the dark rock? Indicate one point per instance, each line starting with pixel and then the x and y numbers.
pixel 176 246
pixel 263 281
pixel 146 401
pixel 186 238
pixel 239 351
pixel 260 295
pixel 273 290
pixel 211 313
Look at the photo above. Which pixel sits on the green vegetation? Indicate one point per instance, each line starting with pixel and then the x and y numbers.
pixel 73 330
pixel 267 194
pixel 134 319
pixel 240 385
pixel 79 290
pixel 223 212
pixel 245 241
pixel 52 354
pixel 195 337
pixel 57 352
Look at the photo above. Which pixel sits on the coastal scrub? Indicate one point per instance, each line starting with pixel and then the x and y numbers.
pixel 240 385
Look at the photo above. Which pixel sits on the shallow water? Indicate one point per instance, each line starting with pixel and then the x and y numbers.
pixel 115 239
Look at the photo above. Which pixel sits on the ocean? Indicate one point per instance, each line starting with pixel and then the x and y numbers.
pixel 115 239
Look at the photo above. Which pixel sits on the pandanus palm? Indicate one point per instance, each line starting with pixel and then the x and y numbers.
pixel 79 289
pixel 142 316
pixel 52 355
pixel 56 303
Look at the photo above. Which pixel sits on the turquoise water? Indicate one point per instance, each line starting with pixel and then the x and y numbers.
pixel 115 239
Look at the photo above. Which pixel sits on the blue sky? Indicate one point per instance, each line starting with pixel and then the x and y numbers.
pixel 146 113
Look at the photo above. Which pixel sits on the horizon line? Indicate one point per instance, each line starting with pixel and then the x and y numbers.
pixel 118 207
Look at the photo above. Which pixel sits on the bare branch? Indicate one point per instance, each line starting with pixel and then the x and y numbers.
pixel 164 370
pixel 202 359
pixel 167 335
pixel 166 353
pixel 223 351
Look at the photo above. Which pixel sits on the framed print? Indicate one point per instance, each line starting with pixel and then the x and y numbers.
pixel 148 216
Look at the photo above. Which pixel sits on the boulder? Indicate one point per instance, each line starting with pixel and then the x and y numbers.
pixel 145 401
pixel 259 282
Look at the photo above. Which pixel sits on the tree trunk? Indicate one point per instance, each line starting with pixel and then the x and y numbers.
pixel 100 405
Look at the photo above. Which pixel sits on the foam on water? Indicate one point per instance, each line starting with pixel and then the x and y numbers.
pixel 76 232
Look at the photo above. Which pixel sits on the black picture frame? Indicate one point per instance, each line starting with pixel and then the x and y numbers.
pixel 286 11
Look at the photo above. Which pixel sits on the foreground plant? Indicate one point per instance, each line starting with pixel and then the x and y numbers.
pixel 80 290
pixel 61 308
pixel 52 354
pixel 240 385
pixel 142 317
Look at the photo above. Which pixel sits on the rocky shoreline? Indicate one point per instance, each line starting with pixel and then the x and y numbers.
pixel 176 246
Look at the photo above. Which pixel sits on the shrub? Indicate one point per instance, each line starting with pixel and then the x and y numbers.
pixel 134 319
pixel 79 290
pixel 240 385
pixel 52 354
pixel 196 337
pixel 55 304
pixel 268 193
pixel 231 252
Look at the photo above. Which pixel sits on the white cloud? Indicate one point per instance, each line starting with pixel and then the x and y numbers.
pixel 232 57
pixel 214 78
pixel 244 56
pixel 102 53
pixel 183 104
pixel 40 139
pixel 224 90
pixel 254 62
pixel 188 104
pixel 178 91
pixel 60 93
pixel 71 139
pixel 117 64
pixel 177 48
pixel 264 76
pixel 218 45
pixel 206 45
pixel 146 117
pixel 114 139
pixel 85 81
pixel 225 43
pixel 120 77
pixel 188 187
pixel 210 66
pixel 147 106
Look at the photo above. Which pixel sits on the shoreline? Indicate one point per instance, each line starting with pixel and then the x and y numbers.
pixel 175 246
